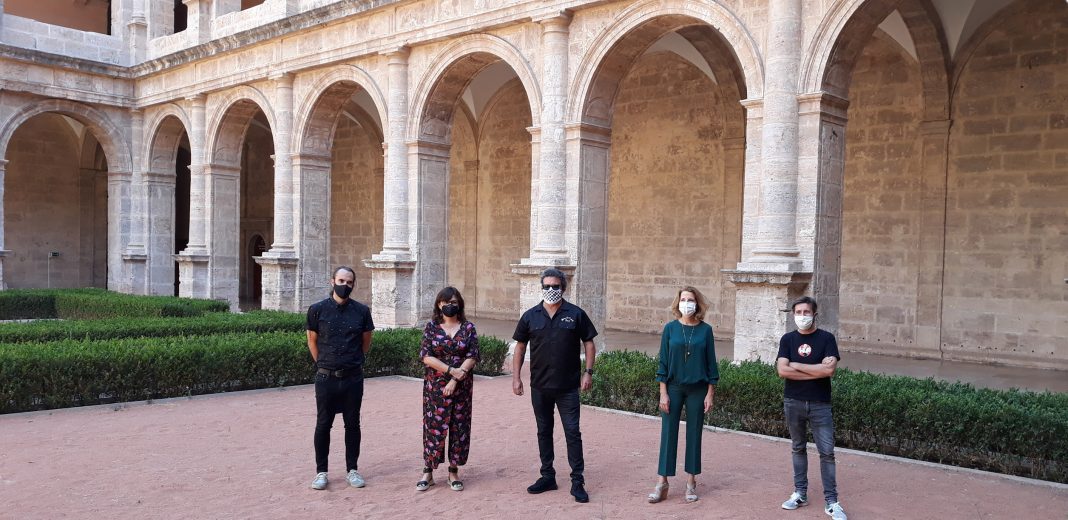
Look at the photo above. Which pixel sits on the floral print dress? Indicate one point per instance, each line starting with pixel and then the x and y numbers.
pixel 447 415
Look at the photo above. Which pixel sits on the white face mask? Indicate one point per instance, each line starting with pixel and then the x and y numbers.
pixel 552 296
pixel 687 308
pixel 803 322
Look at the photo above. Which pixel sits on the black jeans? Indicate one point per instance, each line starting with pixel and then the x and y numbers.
pixel 333 395
pixel 567 402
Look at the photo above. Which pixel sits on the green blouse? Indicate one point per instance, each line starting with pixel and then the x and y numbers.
pixel 678 368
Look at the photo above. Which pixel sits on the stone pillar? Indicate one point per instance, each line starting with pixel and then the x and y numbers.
pixel 3 223
pixel 311 217
pixel 137 34
pixel 429 162
pixel 193 261
pixel 224 247
pixel 158 215
pixel 551 203
pixel 935 171
pixel 393 285
pixel 775 240
pixel 820 187
pixel 760 304
pixel 279 265
pixel 119 229
pixel 198 26
pixel 135 275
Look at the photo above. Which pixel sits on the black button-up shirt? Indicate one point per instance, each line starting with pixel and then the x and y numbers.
pixel 340 329
pixel 555 345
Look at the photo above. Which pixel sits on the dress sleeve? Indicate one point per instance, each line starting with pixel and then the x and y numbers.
pixel 662 365
pixel 472 343
pixel 428 336
pixel 713 364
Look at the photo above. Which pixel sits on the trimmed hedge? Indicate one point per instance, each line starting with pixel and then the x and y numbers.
pixel 83 304
pixel 1008 431
pixel 119 328
pixel 83 372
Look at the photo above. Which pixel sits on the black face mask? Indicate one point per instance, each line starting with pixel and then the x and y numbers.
pixel 342 291
pixel 450 309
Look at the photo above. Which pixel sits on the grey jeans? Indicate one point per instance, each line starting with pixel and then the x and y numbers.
pixel 799 415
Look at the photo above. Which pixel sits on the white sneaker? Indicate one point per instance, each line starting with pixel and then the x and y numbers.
pixel 835 511
pixel 319 482
pixel 355 480
pixel 795 501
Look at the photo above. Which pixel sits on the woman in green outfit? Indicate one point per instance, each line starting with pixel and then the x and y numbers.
pixel 688 374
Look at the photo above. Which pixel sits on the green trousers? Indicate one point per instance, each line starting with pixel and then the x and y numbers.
pixel 693 398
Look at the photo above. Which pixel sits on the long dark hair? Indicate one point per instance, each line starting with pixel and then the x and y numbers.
pixel 445 295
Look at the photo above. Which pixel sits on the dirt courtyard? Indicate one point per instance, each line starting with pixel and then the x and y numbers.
pixel 249 455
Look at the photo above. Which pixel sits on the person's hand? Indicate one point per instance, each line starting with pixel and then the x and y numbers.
pixel 458 374
pixel 829 360
pixel 665 403
pixel 708 403
pixel 449 388
pixel 517 386
pixel 587 382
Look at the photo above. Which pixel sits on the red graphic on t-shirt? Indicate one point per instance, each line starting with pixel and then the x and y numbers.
pixel 804 350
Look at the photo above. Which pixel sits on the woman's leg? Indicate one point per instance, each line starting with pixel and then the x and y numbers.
pixel 669 432
pixel 695 422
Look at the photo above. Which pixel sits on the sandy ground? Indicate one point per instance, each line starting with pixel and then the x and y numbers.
pixel 249 455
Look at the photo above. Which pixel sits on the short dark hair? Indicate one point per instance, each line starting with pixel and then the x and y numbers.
pixel 804 299
pixel 445 295
pixel 553 272
pixel 343 268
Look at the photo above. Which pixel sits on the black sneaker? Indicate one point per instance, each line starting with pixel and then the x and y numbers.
pixel 542 485
pixel 579 492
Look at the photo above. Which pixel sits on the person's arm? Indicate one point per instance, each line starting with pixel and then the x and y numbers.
pixel 786 371
pixel 591 354
pixel 370 326
pixel 825 368
pixel 709 397
pixel 662 371
pixel 366 342
pixel 313 344
pixel 713 369
pixel 517 367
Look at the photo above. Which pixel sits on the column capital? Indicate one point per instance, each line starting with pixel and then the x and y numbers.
pixel 199 98
pixel 764 276
pixel 398 55
pixel 283 78
pixel 554 21
pixel 829 105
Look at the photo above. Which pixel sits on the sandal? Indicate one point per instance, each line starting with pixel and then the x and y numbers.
pixel 423 485
pixel 659 493
pixel 691 492
pixel 456 485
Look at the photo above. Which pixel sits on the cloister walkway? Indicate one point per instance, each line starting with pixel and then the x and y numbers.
pixel 249 455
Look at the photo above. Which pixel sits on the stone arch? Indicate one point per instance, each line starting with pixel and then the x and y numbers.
pixel 840 38
pixel 644 23
pixel 109 135
pixel 229 122
pixel 316 116
pixel 436 94
pixel 968 49
pixel 165 131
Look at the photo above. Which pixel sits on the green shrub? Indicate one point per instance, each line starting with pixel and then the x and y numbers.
pixel 118 328
pixel 82 304
pixel 1008 431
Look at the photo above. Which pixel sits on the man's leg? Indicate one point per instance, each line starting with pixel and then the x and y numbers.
pixel 823 433
pixel 797 421
pixel 569 405
pixel 353 402
pixel 324 420
pixel 543 415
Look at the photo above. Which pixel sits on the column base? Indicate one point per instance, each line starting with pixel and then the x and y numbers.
pixel 193 274
pixel 393 302
pixel 279 280
pixel 760 309
pixel 134 271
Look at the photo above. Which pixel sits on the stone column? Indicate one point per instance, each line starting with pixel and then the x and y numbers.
pixel 393 298
pixel 198 26
pixel 3 223
pixel 311 217
pixel 279 265
pixel 935 170
pixel 137 34
pixel 771 271
pixel 549 196
pixel 158 215
pixel 135 274
pixel 224 247
pixel 430 201
pixel 119 229
pixel 193 261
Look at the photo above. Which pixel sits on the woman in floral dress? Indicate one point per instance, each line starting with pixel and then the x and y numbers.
pixel 449 351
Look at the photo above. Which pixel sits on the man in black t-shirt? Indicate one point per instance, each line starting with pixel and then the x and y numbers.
pixel 807 359
pixel 339 337
pixel 558 332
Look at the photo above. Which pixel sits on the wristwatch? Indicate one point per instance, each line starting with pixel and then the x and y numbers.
pixel 589 371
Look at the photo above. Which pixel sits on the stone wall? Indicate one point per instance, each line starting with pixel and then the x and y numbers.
pixel 463 211
pixel 1007 221
pixel 881 208
pixel 668 204
pixel 257 202
pixel 356 197
pixel 49 202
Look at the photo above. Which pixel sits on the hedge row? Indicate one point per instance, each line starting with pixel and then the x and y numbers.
pixel 80 304
pixel 83 372
pixel 1008 431
pixel 119 328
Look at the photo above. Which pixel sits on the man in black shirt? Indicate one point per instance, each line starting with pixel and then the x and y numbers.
pixel 339 336
pixel 558 332
pixel 807 359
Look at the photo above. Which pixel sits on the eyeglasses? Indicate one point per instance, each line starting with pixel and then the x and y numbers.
pixel 554 287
